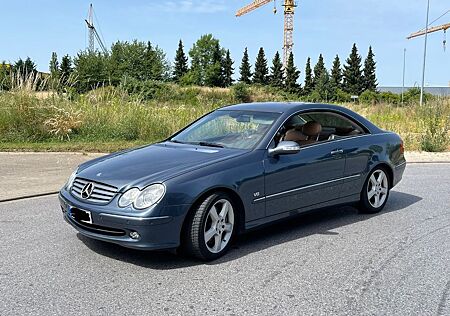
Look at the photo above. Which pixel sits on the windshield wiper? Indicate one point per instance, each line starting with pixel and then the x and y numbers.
pixel 207 144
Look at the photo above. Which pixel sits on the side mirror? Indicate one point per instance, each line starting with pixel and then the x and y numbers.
pixel 285 148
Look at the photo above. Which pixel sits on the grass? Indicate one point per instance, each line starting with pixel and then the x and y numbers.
pixel 108 119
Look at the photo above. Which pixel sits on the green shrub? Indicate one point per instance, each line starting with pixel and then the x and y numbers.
pixel 342 96
pixel 147 90
pixel 435 138
pixel 389 97
pixel 369 97
pixel 241 93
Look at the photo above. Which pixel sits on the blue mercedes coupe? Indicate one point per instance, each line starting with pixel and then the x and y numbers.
pixel 232 170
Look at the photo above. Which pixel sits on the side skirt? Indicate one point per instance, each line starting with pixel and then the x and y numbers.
pixel 270 219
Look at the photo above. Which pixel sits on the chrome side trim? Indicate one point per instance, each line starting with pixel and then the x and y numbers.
pixel 400 165
pixel 305 187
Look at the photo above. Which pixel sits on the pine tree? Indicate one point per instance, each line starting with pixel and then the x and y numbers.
pixel 54 66
pixel 245 69
pixel 324 90
pixel 228 69
pixel 336 73
pixel 276 71
pixel 353 79
pixel 66 68
pixel 369 72
pixel 308 88
pixel 215 73
pixel 292 75
pixel 319 69
pixel 261 70
pixel 181 63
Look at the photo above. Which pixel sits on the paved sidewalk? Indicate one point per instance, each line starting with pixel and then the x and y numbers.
pixel 30 174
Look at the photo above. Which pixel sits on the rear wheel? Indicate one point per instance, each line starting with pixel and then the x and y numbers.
pixel 375 192
pixel 211 227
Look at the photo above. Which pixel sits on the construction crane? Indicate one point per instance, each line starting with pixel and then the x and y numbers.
pixel 93 34
pixel 442 27
pixel 289 10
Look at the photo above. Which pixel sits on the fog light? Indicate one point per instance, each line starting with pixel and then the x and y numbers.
pixel 134 235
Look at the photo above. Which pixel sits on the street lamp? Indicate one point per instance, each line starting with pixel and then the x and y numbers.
pixel 424 54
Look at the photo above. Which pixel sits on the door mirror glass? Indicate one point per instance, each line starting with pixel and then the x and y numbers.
pixel 285 148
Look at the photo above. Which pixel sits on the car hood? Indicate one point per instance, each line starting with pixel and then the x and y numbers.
pixel 155 163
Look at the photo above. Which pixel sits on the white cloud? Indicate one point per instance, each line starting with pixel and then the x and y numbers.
pixel 191 6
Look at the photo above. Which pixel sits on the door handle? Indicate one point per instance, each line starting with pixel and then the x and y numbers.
pixel 337 152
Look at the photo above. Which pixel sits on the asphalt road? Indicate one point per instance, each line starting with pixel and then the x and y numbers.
pixel 335 262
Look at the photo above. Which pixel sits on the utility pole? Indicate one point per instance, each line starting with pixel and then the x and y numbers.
pixel 424 55
pixel 404 69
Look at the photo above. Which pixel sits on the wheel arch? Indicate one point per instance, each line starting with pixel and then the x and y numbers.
pixel 386 167
pixel 236 199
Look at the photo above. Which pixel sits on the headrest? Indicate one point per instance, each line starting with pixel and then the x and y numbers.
pixel 312 129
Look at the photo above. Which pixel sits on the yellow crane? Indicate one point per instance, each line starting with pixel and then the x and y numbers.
pixel 289 10
pixel 443 27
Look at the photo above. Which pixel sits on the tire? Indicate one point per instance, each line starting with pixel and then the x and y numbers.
pixel 211 227
pixel 375 192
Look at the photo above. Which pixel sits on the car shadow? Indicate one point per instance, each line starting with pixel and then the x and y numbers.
pixel 315 222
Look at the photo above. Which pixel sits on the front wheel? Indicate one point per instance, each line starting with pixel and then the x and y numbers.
pixel 211 228
pixel 375 192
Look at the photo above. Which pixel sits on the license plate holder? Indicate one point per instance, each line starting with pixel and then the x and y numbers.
pixel 81 216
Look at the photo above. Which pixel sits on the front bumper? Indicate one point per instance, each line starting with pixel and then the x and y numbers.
pixel 162 232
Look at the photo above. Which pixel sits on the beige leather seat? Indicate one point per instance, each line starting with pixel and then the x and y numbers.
pixel 312 132
pixel 294 135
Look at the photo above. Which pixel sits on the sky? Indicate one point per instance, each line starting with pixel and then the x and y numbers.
pixel 37 28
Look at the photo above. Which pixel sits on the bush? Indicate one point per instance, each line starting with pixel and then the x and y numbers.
pixel 241 93
pixel 412 96
pixel 342 96
pixel 369 97
pixel 389 97
pixel 146 90
pixel 436 137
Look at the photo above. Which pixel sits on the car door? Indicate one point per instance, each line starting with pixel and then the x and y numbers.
pixel 312 176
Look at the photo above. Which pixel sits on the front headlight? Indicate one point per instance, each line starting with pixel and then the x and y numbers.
pixel 143 199
pixel 72 177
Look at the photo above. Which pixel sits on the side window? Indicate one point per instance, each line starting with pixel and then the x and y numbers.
pixel 313 127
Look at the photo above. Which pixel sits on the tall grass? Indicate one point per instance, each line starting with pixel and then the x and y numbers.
pixel 113 115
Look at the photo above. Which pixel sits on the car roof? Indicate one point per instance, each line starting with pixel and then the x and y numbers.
pixel 280 107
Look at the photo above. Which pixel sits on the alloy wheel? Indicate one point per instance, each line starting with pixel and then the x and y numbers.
pixel 219 226
pixel 377 188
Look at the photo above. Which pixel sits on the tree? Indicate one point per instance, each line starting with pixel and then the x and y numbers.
pixel 206 59
pixel 92 70
pixel 54 66
pixel 276 71
pixel 24 69
pixel 369 72
pixel 245 69
pixel 215 73
pixel 228 69
pixel 181 63
pixel 336 73
pixel 353 80
pixel 138 60
pixel 324 91
pixel 261 70
pixel 66 69
pixel 319 69
pixel 292 75
pixel 308 88
pixel 5 76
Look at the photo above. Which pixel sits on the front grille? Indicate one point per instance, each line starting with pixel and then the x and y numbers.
pixel 101 193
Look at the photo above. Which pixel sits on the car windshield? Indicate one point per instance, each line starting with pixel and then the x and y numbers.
pixel 228 129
